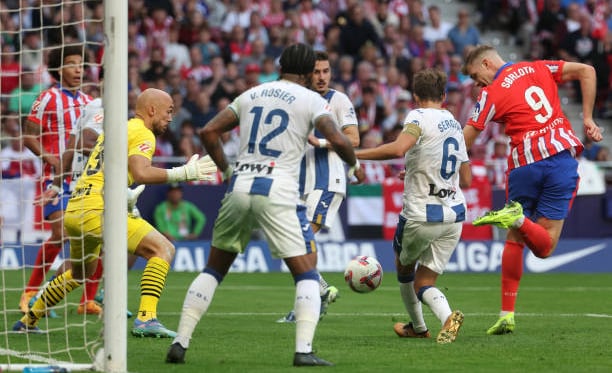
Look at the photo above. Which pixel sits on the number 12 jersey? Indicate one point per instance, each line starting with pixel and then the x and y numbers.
pixel 275 120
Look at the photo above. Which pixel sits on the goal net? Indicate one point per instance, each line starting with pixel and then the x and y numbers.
pixel 29 32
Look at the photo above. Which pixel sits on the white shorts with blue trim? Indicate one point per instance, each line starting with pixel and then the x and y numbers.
pixel 431 244
pixel 322 207
pixel 286 227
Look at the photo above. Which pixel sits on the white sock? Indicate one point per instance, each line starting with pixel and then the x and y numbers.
pixel 307 308
pixel 323 285
pixel 413 306
pixel 198 298
pixel 438 303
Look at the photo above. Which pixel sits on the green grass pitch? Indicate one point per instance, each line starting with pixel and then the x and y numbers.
pixel 564 324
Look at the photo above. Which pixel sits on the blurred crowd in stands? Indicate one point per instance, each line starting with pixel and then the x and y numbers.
pixel 205 53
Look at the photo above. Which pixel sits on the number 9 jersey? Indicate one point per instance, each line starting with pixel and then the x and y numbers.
pixel 523 96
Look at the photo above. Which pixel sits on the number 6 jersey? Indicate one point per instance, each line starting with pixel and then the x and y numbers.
pixel 523 96
pixel 431 185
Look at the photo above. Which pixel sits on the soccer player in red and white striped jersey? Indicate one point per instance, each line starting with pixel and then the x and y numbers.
pixel 542 172
pixel 46 132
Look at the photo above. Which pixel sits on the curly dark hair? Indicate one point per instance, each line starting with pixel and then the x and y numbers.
pixel 321 56
pixel 297 59
pixel 59 54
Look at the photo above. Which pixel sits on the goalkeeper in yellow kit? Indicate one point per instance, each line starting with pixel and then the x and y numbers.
pixel 84 213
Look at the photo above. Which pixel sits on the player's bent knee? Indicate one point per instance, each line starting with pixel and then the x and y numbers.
pixel 169 252
pixel 82 271
pixel 163 250
pixel 80 276
pixel 154 244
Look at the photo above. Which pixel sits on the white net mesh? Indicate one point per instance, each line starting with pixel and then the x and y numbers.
pixel 34 131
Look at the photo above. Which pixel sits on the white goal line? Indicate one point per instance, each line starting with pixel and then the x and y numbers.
pixel 524 288
pixel 37 360
pixel 393 314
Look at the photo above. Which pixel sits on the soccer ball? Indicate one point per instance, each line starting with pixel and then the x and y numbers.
pixel 363 274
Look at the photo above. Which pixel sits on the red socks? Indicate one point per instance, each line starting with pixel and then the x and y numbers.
pixel 536 238
pixel 511 272
pixel 91 284
pixel 539 242
pixel 47 253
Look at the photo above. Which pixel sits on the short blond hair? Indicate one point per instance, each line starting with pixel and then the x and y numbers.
pixel 474 55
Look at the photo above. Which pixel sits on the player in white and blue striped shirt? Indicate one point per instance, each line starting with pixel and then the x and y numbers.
pixel 430 224
pixel 323 172
pixel 275 120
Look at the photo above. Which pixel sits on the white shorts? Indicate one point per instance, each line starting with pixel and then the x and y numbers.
pixel 431 244
pixel 287 230
pixel 322 207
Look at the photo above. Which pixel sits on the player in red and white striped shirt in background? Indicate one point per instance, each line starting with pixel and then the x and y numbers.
pixel 543 174
pixel 46 131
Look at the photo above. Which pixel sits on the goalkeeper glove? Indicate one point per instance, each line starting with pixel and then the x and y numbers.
pixel 132 197
pixel 135 212
pixel 195 169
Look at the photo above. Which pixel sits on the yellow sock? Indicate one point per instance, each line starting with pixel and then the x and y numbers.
pixel 151 285
pixel 55 291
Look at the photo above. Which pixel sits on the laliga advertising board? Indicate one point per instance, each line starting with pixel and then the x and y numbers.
pixel 470 256
pixel 580 256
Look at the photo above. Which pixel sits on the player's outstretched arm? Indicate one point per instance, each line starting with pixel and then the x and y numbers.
pixel 392 150
pixel 210 135
pixel 588 86
pixel 196 168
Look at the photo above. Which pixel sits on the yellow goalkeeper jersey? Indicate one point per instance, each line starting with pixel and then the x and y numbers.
pixel 89 189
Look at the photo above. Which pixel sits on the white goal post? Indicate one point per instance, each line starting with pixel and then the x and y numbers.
pixel 115 192
pixel 29 30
